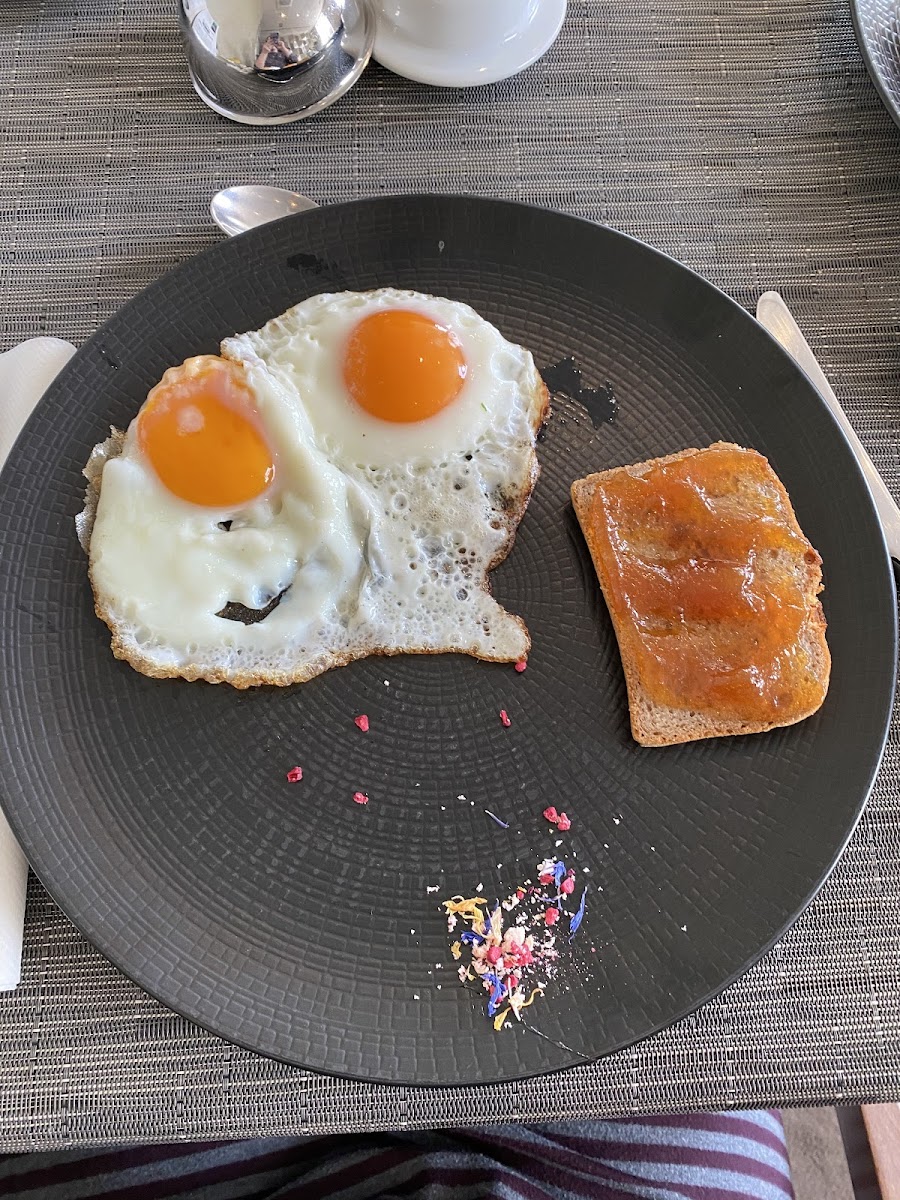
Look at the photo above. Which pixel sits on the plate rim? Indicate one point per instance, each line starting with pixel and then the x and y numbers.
pixel 875 73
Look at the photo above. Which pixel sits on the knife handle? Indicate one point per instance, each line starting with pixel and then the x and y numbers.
pixel 776 317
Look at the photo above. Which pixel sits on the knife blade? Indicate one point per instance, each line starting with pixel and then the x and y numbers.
pixel 775 316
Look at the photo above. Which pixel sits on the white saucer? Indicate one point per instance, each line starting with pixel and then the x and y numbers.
pixel 454 68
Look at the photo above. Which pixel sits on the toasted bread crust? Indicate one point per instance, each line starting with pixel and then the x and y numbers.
pixel 653 724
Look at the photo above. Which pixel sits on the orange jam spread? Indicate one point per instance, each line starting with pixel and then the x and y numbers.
pixel 709 576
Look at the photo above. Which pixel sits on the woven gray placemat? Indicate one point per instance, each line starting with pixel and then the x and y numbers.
pixel 743 138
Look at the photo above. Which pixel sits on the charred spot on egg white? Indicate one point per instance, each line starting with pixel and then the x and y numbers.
pixel 235 611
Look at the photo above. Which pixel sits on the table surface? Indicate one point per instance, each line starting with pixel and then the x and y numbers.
pixel 744 138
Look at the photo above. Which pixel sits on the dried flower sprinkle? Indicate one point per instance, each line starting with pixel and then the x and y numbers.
pixel 504 718
pixel 514 956
pixel 360 798
pixel 521 665
pixel 575 921
pixel 494 817
pixel 362 722
pixel 295 774
pixel 559 819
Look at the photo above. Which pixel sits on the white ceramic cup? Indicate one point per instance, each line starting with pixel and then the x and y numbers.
pixel 460 26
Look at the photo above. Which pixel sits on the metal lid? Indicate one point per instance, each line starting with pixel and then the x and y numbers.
pixel 267 62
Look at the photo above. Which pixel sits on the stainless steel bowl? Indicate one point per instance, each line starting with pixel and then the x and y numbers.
pixel 267 62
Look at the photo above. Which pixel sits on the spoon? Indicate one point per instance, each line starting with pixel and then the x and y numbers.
pixel 237 209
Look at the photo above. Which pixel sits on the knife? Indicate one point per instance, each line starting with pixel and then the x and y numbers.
pixel 775 316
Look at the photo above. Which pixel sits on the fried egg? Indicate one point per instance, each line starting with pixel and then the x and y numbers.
pixel 336 484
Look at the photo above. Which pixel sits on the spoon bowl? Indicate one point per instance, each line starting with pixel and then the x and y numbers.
pixel 237 209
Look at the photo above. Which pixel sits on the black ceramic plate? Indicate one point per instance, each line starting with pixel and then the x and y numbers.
pixel 877 25
pixel 293 921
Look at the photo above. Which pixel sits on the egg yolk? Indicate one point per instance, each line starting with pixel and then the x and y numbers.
pixel 199 429
pixel 402 366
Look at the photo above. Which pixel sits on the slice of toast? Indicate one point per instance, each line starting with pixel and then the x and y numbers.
pixel 713 597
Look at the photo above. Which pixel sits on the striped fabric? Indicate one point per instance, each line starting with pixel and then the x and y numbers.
pixel 714 1156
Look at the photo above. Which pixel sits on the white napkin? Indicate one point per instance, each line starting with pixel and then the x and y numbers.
pixel 25 372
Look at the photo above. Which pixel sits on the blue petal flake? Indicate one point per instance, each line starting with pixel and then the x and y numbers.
pixel 578 917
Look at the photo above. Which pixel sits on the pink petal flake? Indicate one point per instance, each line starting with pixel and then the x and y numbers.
pixel 362 722
pixel 521 665
pixel 360 798
pixel 295 774
pixel 504 718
